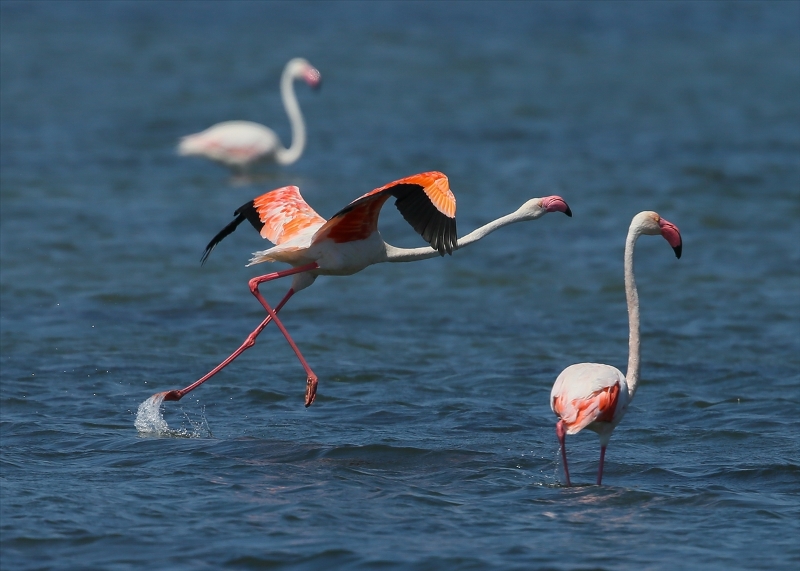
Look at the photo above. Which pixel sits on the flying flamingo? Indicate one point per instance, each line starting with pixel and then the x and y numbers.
pixel 596 396
pixel 350 242
pixel 241 144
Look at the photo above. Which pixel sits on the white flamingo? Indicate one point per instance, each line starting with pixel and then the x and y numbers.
pixel 596 396
pixel 349 242
pixel 241 144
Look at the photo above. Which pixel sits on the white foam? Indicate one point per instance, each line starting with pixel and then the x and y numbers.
pixel 149 419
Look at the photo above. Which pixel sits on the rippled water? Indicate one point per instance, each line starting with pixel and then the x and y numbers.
pixel 431 444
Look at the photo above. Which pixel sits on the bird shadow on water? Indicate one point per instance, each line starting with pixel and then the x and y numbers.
pixel 150 421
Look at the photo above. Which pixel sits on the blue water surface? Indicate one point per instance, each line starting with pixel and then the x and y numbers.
pixel 431 444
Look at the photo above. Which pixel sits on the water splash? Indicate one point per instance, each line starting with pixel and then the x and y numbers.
pixel 198 428
pixel 150 421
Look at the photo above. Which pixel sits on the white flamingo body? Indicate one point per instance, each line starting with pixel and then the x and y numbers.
pixel 235 144
pixel 241 144
pixel 576 382
pixel 349 241
pixel 332 259
pixel 596 396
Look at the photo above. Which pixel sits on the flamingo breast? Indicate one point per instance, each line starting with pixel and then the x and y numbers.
pixel 347 258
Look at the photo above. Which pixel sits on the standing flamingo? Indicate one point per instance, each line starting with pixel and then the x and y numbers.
pixel 596 396
pixel 350 242
pixel 241 144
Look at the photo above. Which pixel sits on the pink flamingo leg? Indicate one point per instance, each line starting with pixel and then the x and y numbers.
pixel 249 342
pixel 600 470
pixel 251 339
pixel 561 432
pixel 311 380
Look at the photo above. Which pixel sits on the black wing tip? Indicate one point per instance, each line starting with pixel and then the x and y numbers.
pixel 248 211
pixel 435 227
pixel 449 238
pixel 453 238
pixel 218 238
pixel 244 212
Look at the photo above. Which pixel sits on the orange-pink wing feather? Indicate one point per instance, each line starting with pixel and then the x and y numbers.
pixel 425 201
pixel 278 215
pixel 596 407
pixel 284 214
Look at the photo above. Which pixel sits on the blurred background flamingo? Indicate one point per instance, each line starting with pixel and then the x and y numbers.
pixel 596 396
pixel 239 145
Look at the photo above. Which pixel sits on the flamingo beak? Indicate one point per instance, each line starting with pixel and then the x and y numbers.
pixel 313 78
pixel 672 235
pixel 556 204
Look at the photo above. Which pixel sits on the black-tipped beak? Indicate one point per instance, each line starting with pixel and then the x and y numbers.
pixel 555 204
pixel 672 235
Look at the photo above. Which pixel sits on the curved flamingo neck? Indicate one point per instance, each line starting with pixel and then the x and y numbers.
pixel 394 254
pixel 288 156
pixel 486 229
pixel 632 296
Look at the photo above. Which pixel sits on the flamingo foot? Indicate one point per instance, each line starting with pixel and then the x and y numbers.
pixel 171 395
pixel 311 389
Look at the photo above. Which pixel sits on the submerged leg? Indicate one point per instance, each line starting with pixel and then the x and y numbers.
pixel 561 432
pixel 311 378
pixel 600 469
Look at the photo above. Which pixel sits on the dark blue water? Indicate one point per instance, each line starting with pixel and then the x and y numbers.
pixel 431 444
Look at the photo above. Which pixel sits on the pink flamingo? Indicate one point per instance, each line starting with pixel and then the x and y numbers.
pixel 596 396
pixel 350 242
pixel 241 144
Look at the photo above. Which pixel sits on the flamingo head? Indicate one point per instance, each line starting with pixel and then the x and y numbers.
pixel 653 224
pixel 299 68
pixel 312 77
pixel 538 207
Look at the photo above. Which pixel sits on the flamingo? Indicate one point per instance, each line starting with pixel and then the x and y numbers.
pixel 241 144
pixel 596 396
pixel 350 242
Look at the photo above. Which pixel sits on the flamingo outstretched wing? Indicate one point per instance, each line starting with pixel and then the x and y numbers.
pixel 279 216
pixel 424 200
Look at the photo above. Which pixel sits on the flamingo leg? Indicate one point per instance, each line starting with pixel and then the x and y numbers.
pixel 249 342
pixel 251 339
pixel 600 470
pixel 311 377
pixel 561 432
